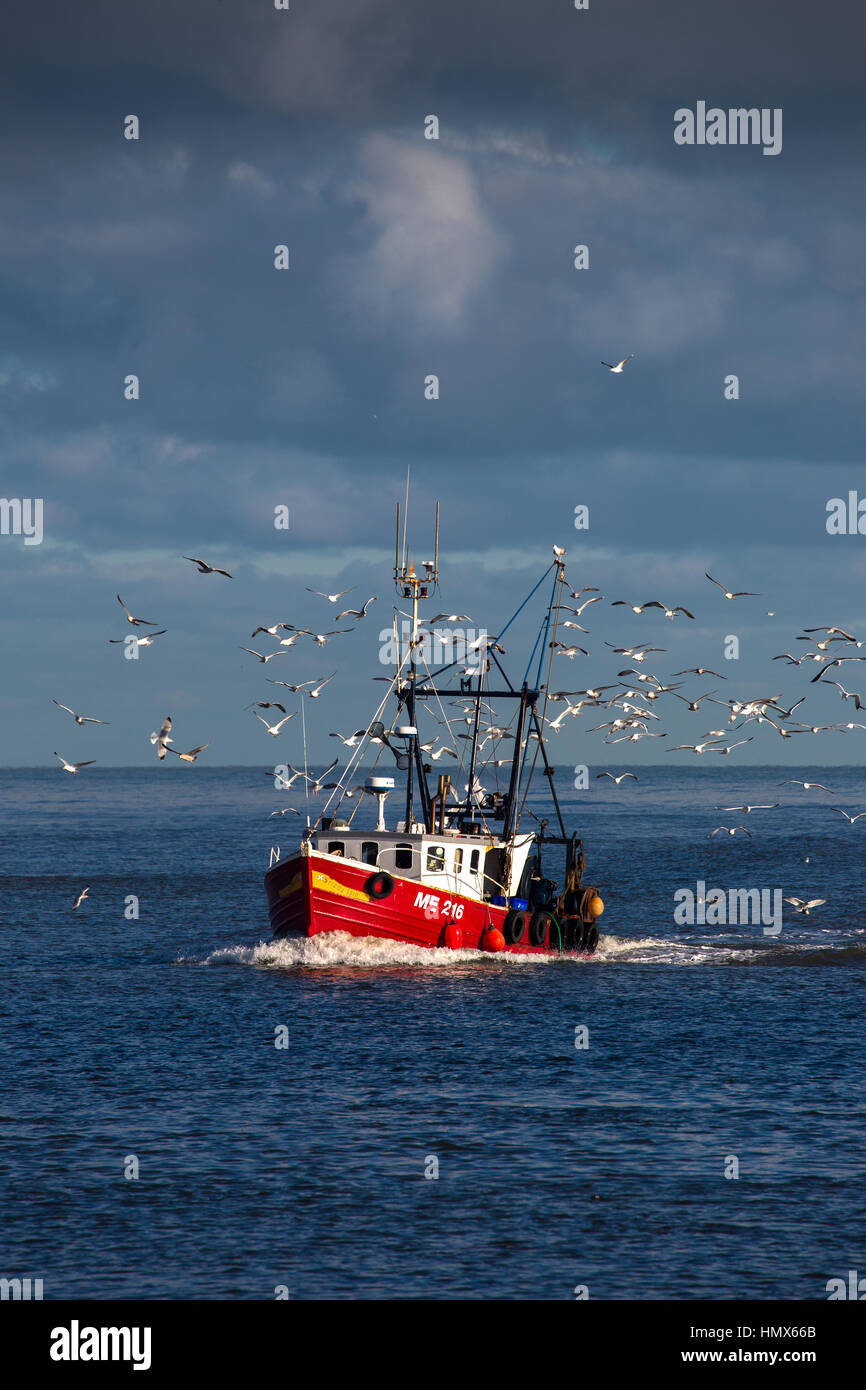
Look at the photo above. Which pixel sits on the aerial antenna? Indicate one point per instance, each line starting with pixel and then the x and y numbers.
pixel 406 514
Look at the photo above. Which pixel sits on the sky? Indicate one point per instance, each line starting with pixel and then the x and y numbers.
pixel 304 388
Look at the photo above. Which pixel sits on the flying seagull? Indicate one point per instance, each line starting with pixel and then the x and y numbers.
pixel 287 810
pixel 267 704
pixel 800 904
pixel 622 776
pixel 162 739
pixel 146 641
pixel 86 718
pixel 356 612
pixel 314 694
pixel 700 671
pixel 742 593
pixel 193 753
pixel 809 786
pixel 744 810
pixel 849 819
pixel 619 366
pixel 80 899
pixel 136 622
pixel 332 598
pixel 275 729
pixel 729 830
pixel 73 767
pixel 263 659
pixel 204 568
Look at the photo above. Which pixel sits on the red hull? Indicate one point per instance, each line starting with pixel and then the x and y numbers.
pixel 312 893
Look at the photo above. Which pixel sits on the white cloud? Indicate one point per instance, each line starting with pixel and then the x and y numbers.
pixel 434 246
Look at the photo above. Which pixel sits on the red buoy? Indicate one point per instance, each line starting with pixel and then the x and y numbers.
pixel 493 940
pixel 453 936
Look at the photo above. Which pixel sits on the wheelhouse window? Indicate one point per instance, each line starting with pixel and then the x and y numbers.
pixel 403 857
pixel 473 861
pixel 435 859
pixel 458 861
pixel 369 852
pixel 336 847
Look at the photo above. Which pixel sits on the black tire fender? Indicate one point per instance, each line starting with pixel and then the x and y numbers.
pixel 514 927
pixel 380 885
pixel 539 927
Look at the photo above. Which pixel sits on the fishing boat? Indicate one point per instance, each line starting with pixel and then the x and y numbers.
pixel 468 869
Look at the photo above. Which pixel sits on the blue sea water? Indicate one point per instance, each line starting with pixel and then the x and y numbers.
pixel 304 1166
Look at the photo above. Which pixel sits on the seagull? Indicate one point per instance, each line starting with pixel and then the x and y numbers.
pixel 570 652
pixel 800 904
pixel 846 695
pixel 271 631
pixel 204 568
pixel 847 636
pixel 744 810
pixel 146 641
pixel 285 782
pixel 264 659
pixel 266 704
pixel 450 753
pixel 450 618
pixel 290 641
pixel 559 554
pixel 318 784
pixel 356 612
pixel 320 638
pixel 619 366
pixel 193 753
pixel 275 729
pixel 287 810
pixel 810 786
pixel 332 598
pixel 700 671
pixel 576 626
pixel 623 603
pixel 693 747
pixel 669 612
pixel 314 694
pixel 729 830
pixel 730 746
pixel 82 719
pixel 694 704
pixel 621 778
pixel 351 740
pixel 742 593
pixel 837 661
pixel 849 819
pixel 80 899
pixel 162 738
pixel 636 653
pixel 136 622
pixel 294 688
pixel 73 767
pixel 822 646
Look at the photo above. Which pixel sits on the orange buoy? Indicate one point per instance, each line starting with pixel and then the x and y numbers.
pixel 453 936
pixel 493 940
pixel 595 907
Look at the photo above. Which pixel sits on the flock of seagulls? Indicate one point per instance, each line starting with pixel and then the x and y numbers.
pixel 629 700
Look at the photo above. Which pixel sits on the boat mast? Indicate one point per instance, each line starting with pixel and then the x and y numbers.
pixel 413 586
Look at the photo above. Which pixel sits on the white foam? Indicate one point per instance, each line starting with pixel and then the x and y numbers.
pixel 328 949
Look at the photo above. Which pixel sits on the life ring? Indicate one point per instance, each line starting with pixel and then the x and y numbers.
pixel 514 927
pixel 379 885
pixel 539 926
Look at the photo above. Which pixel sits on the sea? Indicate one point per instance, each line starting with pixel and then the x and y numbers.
pixel 191 1111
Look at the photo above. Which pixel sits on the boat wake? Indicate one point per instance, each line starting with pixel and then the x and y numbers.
pixel 330 950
